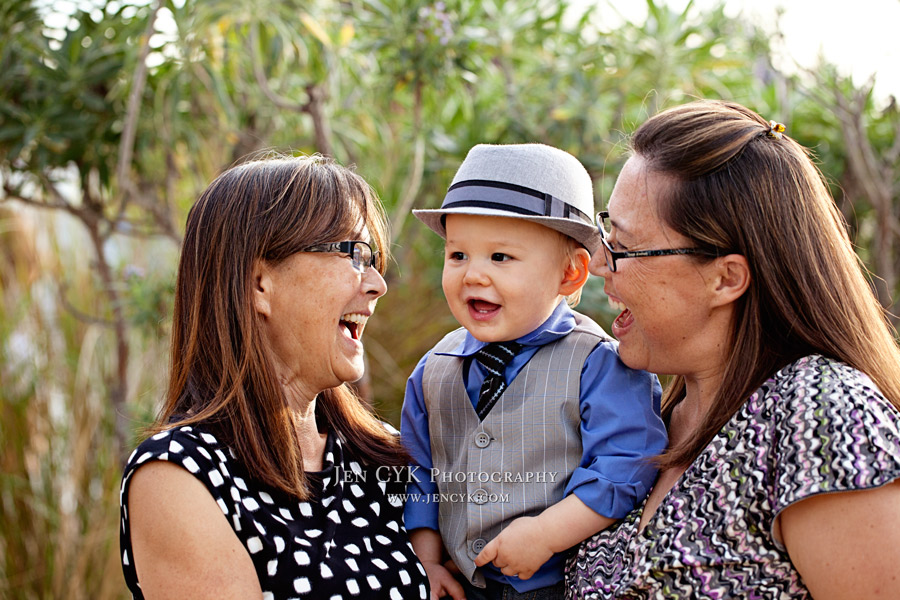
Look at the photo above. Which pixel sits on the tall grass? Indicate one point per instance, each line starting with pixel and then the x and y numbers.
pixel 60 464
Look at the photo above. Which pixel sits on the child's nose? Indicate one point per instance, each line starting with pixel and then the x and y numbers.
pixel 475 274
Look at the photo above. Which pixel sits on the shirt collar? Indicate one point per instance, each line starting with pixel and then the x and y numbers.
pixel 561 322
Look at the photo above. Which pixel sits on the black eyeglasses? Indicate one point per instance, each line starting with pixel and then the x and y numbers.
pixel 612 255
pixel 361 253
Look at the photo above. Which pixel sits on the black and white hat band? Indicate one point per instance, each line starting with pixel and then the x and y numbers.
pixel 499 195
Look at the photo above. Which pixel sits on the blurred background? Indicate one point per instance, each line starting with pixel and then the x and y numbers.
pixel 115 115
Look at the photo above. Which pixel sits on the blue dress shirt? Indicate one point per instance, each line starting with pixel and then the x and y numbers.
pixel 620 430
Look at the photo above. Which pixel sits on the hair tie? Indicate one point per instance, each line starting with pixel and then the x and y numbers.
pixel 775 130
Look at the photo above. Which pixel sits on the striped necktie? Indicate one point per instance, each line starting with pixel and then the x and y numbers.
pixel 494 357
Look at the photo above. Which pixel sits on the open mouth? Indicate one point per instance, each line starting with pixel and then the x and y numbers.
pixel 482 310
pixel 353 325
pixel 483 306
pixel 624 319
pixel 621 323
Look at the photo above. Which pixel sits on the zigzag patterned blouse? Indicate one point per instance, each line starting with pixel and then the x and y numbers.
pixel 816 426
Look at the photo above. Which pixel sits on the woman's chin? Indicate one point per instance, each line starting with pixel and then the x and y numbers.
pixel 633 357
pixel 354 372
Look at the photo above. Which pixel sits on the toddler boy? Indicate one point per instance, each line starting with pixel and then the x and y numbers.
pixel 527 432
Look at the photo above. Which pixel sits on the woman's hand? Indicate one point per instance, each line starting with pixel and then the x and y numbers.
pixel 846 545
pixel 429 548
pixel 442 582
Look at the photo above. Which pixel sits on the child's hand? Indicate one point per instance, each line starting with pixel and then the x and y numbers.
pixel 519 550
pixel 442 581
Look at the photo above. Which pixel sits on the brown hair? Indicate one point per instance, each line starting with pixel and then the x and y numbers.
pixel 220 372
pixel 735 189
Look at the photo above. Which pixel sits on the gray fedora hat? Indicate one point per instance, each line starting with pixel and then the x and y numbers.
pixel 532 182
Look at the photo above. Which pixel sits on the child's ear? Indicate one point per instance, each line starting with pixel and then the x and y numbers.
pixel 731 278
pixel 262 288
pixel 576 272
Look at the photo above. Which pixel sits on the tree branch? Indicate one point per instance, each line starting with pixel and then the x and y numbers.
pixel 262 81
pixel 78 314
pixel 316 110
pixel 126 146
pixel 12 193
pixel 314 106
pixel 58 202
pixel 874 177
pixel 414 183
pixel 119 387
pixel 893 154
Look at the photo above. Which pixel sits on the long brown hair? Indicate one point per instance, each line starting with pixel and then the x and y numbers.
pixel 220 372
pixel 738 189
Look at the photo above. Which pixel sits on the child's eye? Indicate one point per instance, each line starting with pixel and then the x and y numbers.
pixel 456 255
pixel 500 257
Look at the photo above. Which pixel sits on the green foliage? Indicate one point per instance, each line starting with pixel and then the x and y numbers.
pixel 149 297
pixel 400 88
pixel 59 107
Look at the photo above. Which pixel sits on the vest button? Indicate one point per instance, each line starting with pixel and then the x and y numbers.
pixel 479 496
pixel 482 440
pixel 478 545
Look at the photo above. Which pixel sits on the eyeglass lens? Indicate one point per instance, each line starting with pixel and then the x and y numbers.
pixel 601 223
pixel 362 256
pixel 601 219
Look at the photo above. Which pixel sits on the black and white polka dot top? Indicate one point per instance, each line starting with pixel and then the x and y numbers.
pixel 347 541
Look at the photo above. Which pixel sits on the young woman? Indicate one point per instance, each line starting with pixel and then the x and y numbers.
pixel 734 272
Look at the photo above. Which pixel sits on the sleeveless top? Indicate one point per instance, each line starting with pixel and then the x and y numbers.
pixel 817 426
pixel 518 460
pixel 346 541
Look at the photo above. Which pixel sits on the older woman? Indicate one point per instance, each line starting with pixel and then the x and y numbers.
pixel 734 273
pixel 266 476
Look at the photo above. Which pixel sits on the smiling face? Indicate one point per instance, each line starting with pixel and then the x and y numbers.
pixel 672 318
pixel 503 276
pixel 314 308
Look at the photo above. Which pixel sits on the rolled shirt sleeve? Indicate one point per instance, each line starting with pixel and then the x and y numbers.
pixel 621 432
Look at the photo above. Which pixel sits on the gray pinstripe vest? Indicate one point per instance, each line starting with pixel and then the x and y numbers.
pixel 518 460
